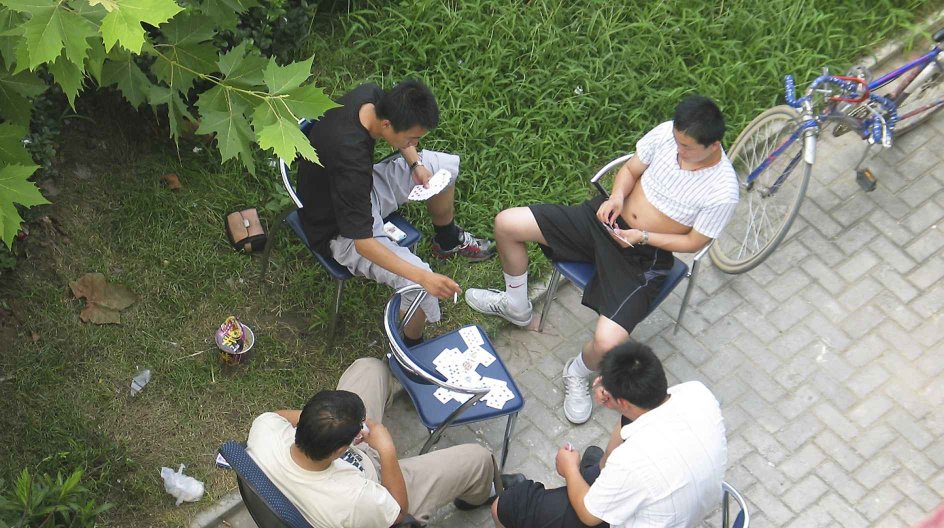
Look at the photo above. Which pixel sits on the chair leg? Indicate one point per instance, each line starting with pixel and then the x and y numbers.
pixel 267 251
pixel 335 311
pixel 549 297
pixel 509 429
pixel 688 293
pixel 434 437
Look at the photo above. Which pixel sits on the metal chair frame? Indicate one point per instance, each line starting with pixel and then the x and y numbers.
pixel 743 519
pixel 407 364
pixel 554 281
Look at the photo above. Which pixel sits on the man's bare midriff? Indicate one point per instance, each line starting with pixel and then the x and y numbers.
pixel 640 214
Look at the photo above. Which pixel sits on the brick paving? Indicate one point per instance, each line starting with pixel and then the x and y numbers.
pixel 827 358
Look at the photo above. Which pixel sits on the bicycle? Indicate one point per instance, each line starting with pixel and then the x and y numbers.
pixel 768 153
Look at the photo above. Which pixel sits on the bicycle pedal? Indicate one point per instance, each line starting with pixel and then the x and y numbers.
pixel 866 180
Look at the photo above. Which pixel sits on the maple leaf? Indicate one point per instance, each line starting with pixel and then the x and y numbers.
pixel 281 79
pixel 68 76
pixel 14 89
pixel 178 65
pixel 123 24
pixel 286 140
pixel 129 78
pixel 109 5
pixel 233 134
pixel 177 110
pixel 309 102
pixel 15 188
pixel 51 28
pixel 103 301
pixel 241 70
pixel 11 145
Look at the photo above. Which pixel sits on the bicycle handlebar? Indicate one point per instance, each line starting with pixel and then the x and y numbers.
pixel 877 125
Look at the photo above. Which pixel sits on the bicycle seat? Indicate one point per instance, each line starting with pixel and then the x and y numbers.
pixel 938 35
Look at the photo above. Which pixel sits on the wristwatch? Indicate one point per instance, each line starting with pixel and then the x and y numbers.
pixel 645 238
pixel 415 164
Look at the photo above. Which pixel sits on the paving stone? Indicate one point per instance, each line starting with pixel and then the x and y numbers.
pixel 919 191
pixel 925 245
pixel 913 488
pixel 802 461
pixel 770 504
pixel 821 221
pixel 879 502
pixel 860 293
pixel 927 273
pixel 790 313
pixel 872 440
pixel 804 493
pixel 910 429
pixel 766 445
pixel 856 238
pixel 867 380
pixel 858 265
pixel 763 414
pixel 824 248
pixel 841 482
pixel 842 512
pixel 930 303
pixel 924 217
pixel 858 206
pixel 870 409
pixel 836 421
pixel 892 254
pixel 787 285
pixel 797 402
pixel 862 321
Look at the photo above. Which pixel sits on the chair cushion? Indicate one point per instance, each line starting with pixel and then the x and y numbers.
pixel 430 410
pixel 580 274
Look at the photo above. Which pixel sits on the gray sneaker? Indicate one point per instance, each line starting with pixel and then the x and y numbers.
pixel 577 401
pixel 495 302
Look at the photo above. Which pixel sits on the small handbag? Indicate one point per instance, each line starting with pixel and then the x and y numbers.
pixel 245 232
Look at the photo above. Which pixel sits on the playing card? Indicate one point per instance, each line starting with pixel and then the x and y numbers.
pixel 480 355
pixel 448 355
pixel 471 336
pixel 443 395
pixel 438 182
pixel 498 396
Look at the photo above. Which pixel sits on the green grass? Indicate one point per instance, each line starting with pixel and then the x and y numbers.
pixel 506 75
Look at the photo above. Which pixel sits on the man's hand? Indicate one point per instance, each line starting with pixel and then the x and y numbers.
pixel 421 176
pixel 440 286
pixel 379 438
pixel 599 393
pixel 610 210
pixel 568 461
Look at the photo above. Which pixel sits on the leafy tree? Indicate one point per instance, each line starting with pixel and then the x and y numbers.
pixel 155 52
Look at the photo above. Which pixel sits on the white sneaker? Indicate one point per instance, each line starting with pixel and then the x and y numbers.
pixel 577 401
pixel 495 302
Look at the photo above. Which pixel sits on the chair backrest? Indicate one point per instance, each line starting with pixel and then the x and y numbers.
pixel 743 518
pixel 400 352
pixel 287 177
pixel 267 505
pixel 618 162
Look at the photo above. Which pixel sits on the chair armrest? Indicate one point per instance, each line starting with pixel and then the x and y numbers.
pixel 595 180
pixel 703 251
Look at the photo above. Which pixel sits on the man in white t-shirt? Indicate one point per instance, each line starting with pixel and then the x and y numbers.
pixel 663 465
pixel 674 195
pixel 336 462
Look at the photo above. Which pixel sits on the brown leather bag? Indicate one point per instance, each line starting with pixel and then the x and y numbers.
pixel 245 232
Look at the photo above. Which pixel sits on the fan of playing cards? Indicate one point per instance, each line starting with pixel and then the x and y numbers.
pixel 459 368
pixel 438 182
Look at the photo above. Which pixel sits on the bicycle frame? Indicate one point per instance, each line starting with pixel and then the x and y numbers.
pixel 811 123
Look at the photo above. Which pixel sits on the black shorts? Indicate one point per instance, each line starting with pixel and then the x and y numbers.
pixel 529 505
pixel 626 280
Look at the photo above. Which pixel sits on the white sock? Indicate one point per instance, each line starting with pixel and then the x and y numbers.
pixel 516 286
pixel 578 367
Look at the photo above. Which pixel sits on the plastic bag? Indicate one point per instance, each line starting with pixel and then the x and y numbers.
pixel 183 487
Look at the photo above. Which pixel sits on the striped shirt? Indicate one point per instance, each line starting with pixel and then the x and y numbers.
pixel 703 199
pixel 668 470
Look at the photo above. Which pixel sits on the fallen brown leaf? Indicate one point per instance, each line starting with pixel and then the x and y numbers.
pixel 172 181
pixel 103 301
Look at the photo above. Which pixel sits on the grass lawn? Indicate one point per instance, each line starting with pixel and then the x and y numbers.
pixel 534 96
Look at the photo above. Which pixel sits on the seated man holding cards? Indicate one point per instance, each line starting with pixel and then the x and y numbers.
pixel 338 465
pixel 663 464
pixel 675 194
pixel 347 196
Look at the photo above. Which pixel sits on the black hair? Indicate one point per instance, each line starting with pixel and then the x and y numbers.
pixel 330 419
pixel 407 105
pixel 632 372
pixel 699 118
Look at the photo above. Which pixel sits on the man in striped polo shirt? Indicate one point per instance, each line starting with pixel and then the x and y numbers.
pixel 674 195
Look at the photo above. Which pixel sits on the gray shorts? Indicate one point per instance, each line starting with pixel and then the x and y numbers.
pixel 392 184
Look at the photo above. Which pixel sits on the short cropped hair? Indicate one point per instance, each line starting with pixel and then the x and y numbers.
pixel 407 105
pixel 330 419
pixel 632 372
pixel 699 118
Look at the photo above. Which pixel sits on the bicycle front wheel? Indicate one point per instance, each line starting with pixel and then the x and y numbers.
pixel 770 203
pixel 931 90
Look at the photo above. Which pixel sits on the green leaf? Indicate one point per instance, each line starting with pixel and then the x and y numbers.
pixel 13 105
pixel 222 98
pixel 52 27
pixel 179 65
pixel 281 79
pixel 233 134
pixel 128 77
pixel 240 69
pixel 189 28
pixel 286 140
pixel 10 20
pixel 122 25
pixel 11 145
pixel 96 60
pixel 177 110
pixel 67 76
pixel 225 12
pixel 15 188
pixel 308 102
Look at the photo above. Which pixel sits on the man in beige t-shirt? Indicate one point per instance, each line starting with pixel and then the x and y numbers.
pixel 336 462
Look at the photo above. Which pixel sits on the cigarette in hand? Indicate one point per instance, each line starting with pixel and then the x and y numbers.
pixel 455 297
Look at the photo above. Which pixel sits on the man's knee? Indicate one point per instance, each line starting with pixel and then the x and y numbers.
pixel 517 223
pixel 367 367
pixel 504 222
pixel 604 341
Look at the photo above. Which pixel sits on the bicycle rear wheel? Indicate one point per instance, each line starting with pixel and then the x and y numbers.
pixel 765 211
pixel 932 89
